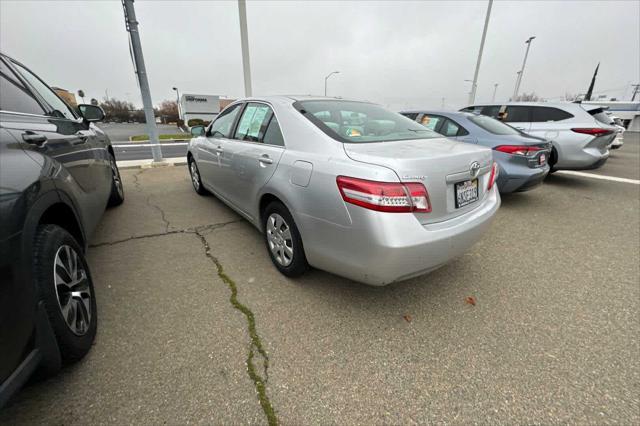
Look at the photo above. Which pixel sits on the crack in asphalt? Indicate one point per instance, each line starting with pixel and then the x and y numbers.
pixel 255 348
pixel 201 228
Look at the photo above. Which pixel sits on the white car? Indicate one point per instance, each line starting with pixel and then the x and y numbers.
pixel 617 123
pixel 580 133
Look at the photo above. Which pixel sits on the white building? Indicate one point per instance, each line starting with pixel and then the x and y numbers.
pixel 204 107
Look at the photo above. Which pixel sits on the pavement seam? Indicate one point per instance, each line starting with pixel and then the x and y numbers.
pixel 201 228
pixel 256 346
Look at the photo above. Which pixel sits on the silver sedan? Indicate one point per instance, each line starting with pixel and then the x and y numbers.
pixel 345 186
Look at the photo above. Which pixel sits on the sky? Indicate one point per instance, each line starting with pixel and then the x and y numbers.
pixel 402 54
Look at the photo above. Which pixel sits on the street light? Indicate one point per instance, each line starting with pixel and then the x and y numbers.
pixel 521 72
pixel 495 89
pixel 178 101
pixel 326 78
pixel 474 86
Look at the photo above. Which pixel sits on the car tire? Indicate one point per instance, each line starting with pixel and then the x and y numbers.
pixel 553 159
pixel 196 180
pixel 64 284
pixel 117 188
pixel 283 240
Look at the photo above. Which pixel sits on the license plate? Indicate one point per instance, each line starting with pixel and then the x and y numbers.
pixel 466 192
pixel 542 159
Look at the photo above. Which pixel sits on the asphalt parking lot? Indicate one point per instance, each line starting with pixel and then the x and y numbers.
pixel 197 326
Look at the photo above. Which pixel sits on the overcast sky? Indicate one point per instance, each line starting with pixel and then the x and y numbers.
pixel 401 54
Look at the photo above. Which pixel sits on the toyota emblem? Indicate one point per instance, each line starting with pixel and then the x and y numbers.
pixel 474 169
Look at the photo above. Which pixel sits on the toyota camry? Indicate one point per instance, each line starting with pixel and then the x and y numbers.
pixel 345 186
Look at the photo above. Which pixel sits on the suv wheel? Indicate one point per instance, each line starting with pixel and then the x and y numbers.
pixel 283 240
pixel 64 285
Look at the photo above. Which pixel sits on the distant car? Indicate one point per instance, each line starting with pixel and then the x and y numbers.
pixel 58 173
pixel 579 132
pixel 344 186
pixel 619 125
pixel 522 159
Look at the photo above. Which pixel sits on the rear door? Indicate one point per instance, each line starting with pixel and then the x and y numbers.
pixel 548 122
pixel 254 153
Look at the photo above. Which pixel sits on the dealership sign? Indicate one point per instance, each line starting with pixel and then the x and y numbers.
pixel 194 104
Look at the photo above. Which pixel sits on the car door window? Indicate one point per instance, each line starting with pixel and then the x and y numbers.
pixel 273 135
pixel 224 123
pixel 490 110
pixel 58 107
pixel 431 122
pixel 517 114
pixel 253 122
pixel 449 128
pixel 544 114
pixel 411 115
pixel 15 96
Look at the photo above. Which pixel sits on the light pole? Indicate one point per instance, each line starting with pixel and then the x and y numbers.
pixel 134 36
pixel 472 94
pixel 326 78
pixel 495 89
pixel 524 62
pixel 472 91
pixel 244 42
pixel 178 101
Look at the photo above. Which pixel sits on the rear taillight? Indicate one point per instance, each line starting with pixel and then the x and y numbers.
pixel 517 149
pixel 594 131
pixel 493 176
pixel 385 196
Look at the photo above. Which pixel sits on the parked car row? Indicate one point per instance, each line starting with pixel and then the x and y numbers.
pixel 344 186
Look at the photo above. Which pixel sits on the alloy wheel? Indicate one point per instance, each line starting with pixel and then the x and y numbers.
pixel 72 290
pixel 195 177
pixel 279 239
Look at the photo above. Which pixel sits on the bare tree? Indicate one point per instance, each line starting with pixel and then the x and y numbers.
pixel 526 97
pixel 168 111
pixel 116 110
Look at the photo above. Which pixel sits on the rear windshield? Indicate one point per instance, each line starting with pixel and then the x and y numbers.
pixel 601 116
pixel 492 125
pixel 361 122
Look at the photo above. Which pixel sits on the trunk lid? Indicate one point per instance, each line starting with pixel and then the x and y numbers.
pixel 437 163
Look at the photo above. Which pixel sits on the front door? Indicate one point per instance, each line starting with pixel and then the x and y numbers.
pixel 213 160
pixel 254 155
pixel 63 136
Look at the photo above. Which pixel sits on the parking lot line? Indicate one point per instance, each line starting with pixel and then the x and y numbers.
pixel 602 177
pixel 132 145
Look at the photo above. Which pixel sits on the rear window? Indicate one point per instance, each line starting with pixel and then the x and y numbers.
pixel 492 125
pixel 601 116
pixel 543 114
pixel 361 122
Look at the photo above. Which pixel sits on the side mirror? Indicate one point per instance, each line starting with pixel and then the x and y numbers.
pixel 197 131
pixel 91 113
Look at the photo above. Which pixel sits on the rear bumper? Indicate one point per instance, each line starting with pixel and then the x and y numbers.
pixel 579 157
pixel 521 178
pixel 381 248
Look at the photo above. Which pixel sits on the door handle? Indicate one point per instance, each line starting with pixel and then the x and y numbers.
pixel 265 159
pixel 219 150
pixel 34 138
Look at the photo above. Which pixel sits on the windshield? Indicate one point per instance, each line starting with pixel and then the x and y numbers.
pixel 361 122
pixel 492 125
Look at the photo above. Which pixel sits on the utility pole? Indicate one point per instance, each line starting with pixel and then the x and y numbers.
pixel 138 62
pixel 244 41
pixel 178 102
pixel 326 78
pixel 474 85
pixel 495 89
pixel 524 62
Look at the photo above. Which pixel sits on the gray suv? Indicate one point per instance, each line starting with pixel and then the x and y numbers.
pixel 580 133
